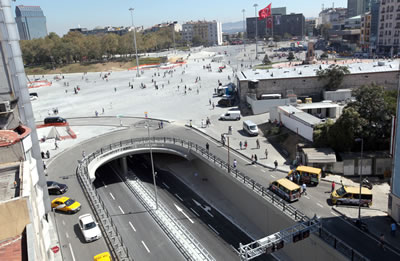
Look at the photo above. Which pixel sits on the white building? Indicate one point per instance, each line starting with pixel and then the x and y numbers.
pixel 209 33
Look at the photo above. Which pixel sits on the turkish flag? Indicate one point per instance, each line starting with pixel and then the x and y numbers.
pixel 269 22
pixel 264 13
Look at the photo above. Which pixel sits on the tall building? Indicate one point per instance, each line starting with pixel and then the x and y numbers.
pixel 365 34
pixel 209 33
pixel 31 22
pixel 358 7
pixel 389 28
pixel 24 201
pixel 334 16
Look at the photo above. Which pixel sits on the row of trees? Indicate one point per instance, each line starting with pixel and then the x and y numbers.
pixel 369 118
pixel 76 47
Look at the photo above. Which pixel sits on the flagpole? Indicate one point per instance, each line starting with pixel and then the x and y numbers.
pixel 256 18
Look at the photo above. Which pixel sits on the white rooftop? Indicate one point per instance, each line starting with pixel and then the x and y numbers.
pixel 317 105
pixel 311 70
pixel 301 115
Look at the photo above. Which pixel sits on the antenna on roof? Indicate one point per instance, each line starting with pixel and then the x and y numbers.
pixel 333 5
pixel 322 7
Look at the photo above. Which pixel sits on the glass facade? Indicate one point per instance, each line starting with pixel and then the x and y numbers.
pixel 31 22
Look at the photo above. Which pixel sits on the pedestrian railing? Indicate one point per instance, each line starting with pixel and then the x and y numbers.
pixel 110 232
pixel 264 192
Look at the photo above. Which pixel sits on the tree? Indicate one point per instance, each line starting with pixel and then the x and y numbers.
pixel 266 60
pixel 333 76
pixel 290 56
pixel 324 30
pixel 324 56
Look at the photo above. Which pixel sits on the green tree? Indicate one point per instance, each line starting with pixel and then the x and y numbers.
pixel 333 76
pixel 290 56
pixel 266 60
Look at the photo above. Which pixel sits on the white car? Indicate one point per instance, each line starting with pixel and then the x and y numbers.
pixel 89 228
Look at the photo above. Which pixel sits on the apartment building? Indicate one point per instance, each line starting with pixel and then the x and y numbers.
pixel 365 33
pixel 389 27
pixel 207 33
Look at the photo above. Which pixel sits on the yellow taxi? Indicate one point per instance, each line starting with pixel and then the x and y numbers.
pixel 66 204
pixel 103 257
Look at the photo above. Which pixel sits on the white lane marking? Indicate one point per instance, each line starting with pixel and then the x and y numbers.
pixel 319 205
pixel 148 251
pixel 121 210
pixel 273 176
pixel 335 214
pixel 66 235
pixel 112 196
pixel 63 222
pixel 181 210
pixel 178 197
pixel 213 229
pixel 165 185
pixel 104 184
pixel 307 197
pixel 134 229
pixel 263 170
pixel 72 252
pixel 254 166
pixel 197 214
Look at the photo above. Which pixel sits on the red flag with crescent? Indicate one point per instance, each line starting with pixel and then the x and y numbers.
pixel 264 13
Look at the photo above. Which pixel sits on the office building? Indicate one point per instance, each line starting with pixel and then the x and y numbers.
pixel 26 228
pixel 365 34
pixel 334 16
pixel 375 4
pixel 358 7
pixel 31 22
pixel 278 11
pixel 310 27
pixel 207 33
pixel 389 28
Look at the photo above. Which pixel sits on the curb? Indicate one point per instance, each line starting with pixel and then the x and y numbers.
pixel 238 152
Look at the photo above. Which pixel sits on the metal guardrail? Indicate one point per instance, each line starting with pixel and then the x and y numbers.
pixel 113 239
pixel 264 192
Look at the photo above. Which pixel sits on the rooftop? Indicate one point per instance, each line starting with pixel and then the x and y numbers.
pixel 320 155
pixel 302 116
pixel 317 105
pixel 311 70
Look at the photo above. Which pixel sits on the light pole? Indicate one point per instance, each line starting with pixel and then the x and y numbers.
pixel 361 158
pixel 134 40
pixel 244 30
pixel 256 17
pixel 173 35
pixel 152 165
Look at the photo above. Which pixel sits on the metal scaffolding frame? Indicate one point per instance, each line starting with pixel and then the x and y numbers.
pixel 276 241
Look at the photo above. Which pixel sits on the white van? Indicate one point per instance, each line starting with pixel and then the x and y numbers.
pixel 250 127
pixel 230 116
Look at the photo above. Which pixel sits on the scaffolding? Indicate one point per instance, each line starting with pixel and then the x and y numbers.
pixel 274 242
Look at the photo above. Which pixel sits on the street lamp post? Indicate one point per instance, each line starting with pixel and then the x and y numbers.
pixel 134 39
pixel 173 35
pixel 255 14
pixel 361 159
pixel 244 30
pixel 152 165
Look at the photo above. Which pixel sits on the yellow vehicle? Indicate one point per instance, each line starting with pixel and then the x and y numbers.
pixel 103 257
pixel 286 189
pixel 351 196
pixel 308 175
pixel 65 204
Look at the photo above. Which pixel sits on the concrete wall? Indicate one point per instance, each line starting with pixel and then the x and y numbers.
pixel 311 86
pixel 296 126
pixel 14 216
pixel 265 216
pixel 263 106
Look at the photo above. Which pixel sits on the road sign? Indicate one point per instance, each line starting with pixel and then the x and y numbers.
pixel 55 249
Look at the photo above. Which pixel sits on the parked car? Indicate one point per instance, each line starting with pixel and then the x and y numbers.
pixel 230 115
pixel 89 228
pixel 51 120
pixel 66 204
pixel 56 188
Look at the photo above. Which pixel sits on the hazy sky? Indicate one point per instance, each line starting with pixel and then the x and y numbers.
pixel 63 15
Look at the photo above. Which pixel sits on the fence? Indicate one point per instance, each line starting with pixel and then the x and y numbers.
pixel 278 202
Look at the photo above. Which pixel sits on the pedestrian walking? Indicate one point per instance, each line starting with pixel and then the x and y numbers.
pixel 240 145
pixel 96 113
pixel 333 186
pixel 258 143
pixel 298 178
pixel 209 100
pixel 102 110
pixel 55 145
pixel 393 229
pixel 234 164
pixel 252 159
pixel 213 105
pixel 42 154
pixel 48 154
pixel 382 241
pixel 276 164
pixel 245 144
pixel 207 147
pixel 255 158
pixel 266 154
pixel 304 187
pixel 162 125
pixel 83 154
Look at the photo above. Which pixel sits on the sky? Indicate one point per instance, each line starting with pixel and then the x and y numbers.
pixel 62 14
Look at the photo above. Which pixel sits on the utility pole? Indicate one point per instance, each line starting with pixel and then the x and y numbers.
pixel 229 164
pixel 256 19
pixel 244 30
pixel 173 35
pixel 134 39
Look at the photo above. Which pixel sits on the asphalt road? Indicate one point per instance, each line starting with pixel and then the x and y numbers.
pixel 314 203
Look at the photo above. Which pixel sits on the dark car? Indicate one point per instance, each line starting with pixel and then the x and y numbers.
pixel 50 120
pixel 56 188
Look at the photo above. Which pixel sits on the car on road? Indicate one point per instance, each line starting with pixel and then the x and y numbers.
pixel 230 115
pixel 66 204
pixel 56 188
pixel 52 120
pixel 90 229
pixel 105 256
